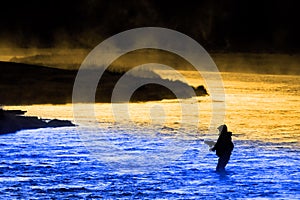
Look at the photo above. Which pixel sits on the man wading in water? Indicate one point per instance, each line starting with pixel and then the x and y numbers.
pixel 223 147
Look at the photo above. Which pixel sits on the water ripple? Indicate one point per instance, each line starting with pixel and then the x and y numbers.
pixel 54 164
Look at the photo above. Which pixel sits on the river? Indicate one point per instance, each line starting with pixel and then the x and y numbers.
pixel 156 155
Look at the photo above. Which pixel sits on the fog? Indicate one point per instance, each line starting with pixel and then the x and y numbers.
pixel 66 58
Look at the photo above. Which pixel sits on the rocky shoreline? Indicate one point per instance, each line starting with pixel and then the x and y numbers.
pixel 12 121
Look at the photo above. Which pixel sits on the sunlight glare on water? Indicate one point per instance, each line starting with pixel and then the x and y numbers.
pixel 258 107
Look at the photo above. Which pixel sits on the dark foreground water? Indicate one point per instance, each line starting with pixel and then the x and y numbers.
pixel 55 164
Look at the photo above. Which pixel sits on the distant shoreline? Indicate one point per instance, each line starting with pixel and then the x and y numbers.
pixel 24 84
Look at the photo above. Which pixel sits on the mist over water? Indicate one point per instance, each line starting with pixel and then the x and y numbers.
pixel 51 57
pixel 71 58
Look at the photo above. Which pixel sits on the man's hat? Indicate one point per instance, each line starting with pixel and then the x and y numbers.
pixel 222 127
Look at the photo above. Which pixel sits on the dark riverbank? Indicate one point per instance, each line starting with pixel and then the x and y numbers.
pixel 12 121
pixel 24 84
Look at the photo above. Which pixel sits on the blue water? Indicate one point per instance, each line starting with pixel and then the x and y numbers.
pixel 55 164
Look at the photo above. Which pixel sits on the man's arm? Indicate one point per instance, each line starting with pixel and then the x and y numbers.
pixel 215 147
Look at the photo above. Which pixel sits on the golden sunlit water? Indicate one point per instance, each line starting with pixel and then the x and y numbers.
pixel 258 107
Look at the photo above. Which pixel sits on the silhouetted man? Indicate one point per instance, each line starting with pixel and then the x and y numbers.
pixel 223 147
